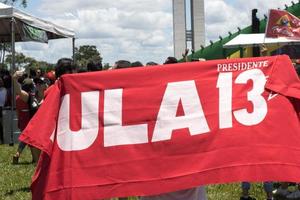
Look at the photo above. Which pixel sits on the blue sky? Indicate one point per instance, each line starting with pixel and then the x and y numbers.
pixel 132 29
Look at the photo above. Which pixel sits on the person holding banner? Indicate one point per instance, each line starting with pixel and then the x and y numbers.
pixel 283 191
pixel 268 186
pixel 197 193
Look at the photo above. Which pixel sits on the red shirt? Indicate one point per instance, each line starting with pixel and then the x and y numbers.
pixel 23 113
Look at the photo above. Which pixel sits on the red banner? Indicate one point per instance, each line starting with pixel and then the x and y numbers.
pixel 151 130
pixel 283 24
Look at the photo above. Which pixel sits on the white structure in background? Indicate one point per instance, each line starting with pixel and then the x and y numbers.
pixel 196 35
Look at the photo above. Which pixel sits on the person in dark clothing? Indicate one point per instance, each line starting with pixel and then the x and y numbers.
pixel 64 66
pixel 120 64
pixel 92 66
pixel 137 64
pixel 170 60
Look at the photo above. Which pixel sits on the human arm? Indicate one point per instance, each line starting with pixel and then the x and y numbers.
pixel 17 87
pixel 184 55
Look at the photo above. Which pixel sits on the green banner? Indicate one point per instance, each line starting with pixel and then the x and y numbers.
pixel 31 33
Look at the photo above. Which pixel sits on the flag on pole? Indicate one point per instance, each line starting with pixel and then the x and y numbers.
pixel 282 24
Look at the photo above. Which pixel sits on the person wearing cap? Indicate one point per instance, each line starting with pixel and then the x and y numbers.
pixel 50 76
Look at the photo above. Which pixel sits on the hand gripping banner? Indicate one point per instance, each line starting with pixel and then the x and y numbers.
pixel 151 130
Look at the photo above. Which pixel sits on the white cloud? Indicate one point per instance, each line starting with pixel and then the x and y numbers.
pixel 222 17
pixel 58 6
pixel 47 52
pixel 262 6
pixel 136 29
pixel 125 28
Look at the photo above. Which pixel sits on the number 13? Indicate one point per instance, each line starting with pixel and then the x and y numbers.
pixel 260 107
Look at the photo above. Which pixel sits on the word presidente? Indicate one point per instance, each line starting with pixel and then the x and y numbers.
pixel 241 66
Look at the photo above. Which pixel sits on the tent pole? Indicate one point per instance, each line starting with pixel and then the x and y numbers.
pixel 73 48
pixel 13 68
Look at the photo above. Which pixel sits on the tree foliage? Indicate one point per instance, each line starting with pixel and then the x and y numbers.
pixel 87 53
pixel 22 61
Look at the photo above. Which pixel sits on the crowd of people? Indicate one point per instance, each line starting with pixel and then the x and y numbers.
pixel 30 91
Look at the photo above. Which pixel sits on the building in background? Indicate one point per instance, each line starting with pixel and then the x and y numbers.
pixel 188 25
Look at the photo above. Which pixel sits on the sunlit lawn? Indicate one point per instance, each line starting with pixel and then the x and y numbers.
pixel 15 179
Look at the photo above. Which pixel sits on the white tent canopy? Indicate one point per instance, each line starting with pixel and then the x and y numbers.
pixel 256 39
pixel 12 23
pixel 8 12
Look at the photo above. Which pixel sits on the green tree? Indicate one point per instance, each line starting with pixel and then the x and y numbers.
pixel 28 62
pixel 34 64
pixel 87 53
pixel 20 60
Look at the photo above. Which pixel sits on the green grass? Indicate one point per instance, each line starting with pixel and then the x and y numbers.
pixel 15 180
